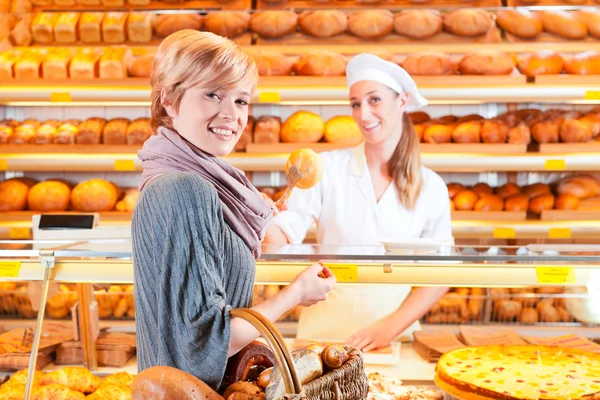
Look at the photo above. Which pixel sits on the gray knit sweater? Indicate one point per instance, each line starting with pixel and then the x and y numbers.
pixel 190 270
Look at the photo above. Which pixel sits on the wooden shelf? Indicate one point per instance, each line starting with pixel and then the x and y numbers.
pixel 357 4
pixel 570 215
pixel 489 215
pixel 199 5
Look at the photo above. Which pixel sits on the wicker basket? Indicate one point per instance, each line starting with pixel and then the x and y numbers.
pixel 349 382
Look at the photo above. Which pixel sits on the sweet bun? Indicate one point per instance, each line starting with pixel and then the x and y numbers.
pixel 469 117
pixel 429 63
pixel 419 130
pixel 489 202
pixel 167 383
pixel 273 64
pixel 94 195
pixel 302 127
pixel 323 23
pixel 536 189
pixel 310 166
pixel 521 23
pixel 467 132
pixel 482 189
pixel 541 203
pixel 567 201
pixel 418 24
pixel 581 186
pixel 486 63
pixel 544 62
pixel 274 24
pixel 454 189
pixel 343 130
pixel 320 64
pixel 508 189
pixel 418 117
pixel 575 131
pixel 519 134
pixel 371 24
pixel 565 24
pixel 516 202
pixel 586 63
pixel 49 196
pixel 229 24
pixel 446 119
pixel 593 122
pixel 591 17
pixel 13 195
pixel 166 24
pixel 468 22
pixel 438 133
pixel 494 131
pixel 545 131
pixel 465 200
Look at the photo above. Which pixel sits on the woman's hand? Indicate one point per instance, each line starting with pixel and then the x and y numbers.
pixel 277 208
pixel 313 284
pixel 371 338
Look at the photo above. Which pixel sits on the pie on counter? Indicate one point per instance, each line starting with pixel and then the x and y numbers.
pixel 520 373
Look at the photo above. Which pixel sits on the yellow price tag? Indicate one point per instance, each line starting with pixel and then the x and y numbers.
pixel 124 165
pixel 555 275
pixel 10 269
pixel 504 233
pixel 559 233
pixel 269 97
pixel 3 165
pixel 60 97
pixel 592 95
pixel 19 233
pixel 344 272
pixel 555 165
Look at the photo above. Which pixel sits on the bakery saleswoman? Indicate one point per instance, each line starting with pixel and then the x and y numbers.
pixel 199 222
pixel 376 190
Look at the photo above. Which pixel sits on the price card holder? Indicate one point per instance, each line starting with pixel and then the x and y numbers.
pixel 555 275
pixel 19 233
pixel 3 165
pixel 347 273
pixel 555 165
pixel 124 165
pixel 559 233
pixel 60 97
pixel 592 95
pixel 10 269
pixel 504 233
pixel 66 221
pixel 269 97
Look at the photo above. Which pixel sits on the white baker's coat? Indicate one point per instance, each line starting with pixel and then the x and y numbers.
pixel 346 211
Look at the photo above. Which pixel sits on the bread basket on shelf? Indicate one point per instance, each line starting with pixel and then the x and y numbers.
pixel 348 382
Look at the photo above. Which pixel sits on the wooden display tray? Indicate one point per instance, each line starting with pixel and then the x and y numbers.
pixel 519 3
pixel 565 148
pixel 157 5
pixel 569 215
pixel 283 148
pixel 68 149
pixel 388 4
pixel 484 148
pixel 298 38
pixel 489 215
pixel 19 216
pixel 546 37
pixel 570 80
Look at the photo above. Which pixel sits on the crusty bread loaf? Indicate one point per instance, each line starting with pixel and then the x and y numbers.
pixel 429 63
pixel 168 383
pixel 468 22
pixel 95 195
pixel 565 24
pixel 229 24
pixel 49 196
pixel 273 64
pixel 246 136
pixel 581 186
pixel 267 129
pixel 166 24
pixel 141 66
pixel 320 64
pixel 543 62
pixel 586 63
pixel 591 17
pixel 274 24
pixel 13 195
pixel 522 23
pixel 486 63
pixel 371 24
pixel 418 24
pixel 323 23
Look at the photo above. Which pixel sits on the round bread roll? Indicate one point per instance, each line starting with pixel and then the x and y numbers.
pixel 446 119
pixel 470 117
pixel 302 127
pixel 529 316
pixel 519 134
pixel 49 196
pixel 520 22
pixel 465 200
pixel 508 189
pixel 371 24
pixel 507 310
pixel 494 131
pixel 575 131
pixel 545 131
pixel 486 63
pixel 593 122
pixel 419 117
pixel 429 63
pixel 320 64
pixel 310 166
pixel 544 62
pixel 95 195
pixel 467 132
pixel 468 22
pixel 567 201
pixel 343 130
pixel 482 189
pixel 141 67
pixel 229 24
pixel 549 314
pixel 419 130
pixel 438 133
pixel 516 202
pixel 418 24
pixel 541 203
pixel 13 195
pixel 273 64
pixel 565 316
pixel 323 23
pixel 167 383
pixel 565 24
pixel 454 189
pixel 167 24
pixel 273 24
pixel 489 202
pixel 581 186
pixel 587 63
pixel 591 17
pixel 536 189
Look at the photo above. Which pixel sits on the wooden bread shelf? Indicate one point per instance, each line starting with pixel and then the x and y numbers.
pixel 570 215
pixel 50 149
pixel 478 148
pixel 157 5
pixel 546 37
pixel 570 148
pixel 277 148
pixel 489 215
pixel 541 3
pixel 357 4
pixel 565 79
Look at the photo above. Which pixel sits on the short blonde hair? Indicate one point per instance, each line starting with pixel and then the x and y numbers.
pixel 187 58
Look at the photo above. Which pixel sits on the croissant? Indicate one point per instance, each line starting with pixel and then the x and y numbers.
pixel 123 379
pixel 12 391
pixel 56 392
pixel 75 378
pixel 111 392
pixel 20 377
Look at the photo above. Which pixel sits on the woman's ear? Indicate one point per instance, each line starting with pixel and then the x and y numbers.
pixel 403 101
pixel 171 112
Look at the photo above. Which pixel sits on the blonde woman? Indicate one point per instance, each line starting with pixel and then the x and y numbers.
pixel 199 222
pixel 373 192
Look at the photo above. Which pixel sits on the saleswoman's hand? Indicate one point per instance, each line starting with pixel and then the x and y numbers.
pixel 313 284
pixel 371 338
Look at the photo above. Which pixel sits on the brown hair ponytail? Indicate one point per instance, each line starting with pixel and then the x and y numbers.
pixel 405 165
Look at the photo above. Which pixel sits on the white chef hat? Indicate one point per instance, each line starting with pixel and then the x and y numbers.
pixel 368 67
